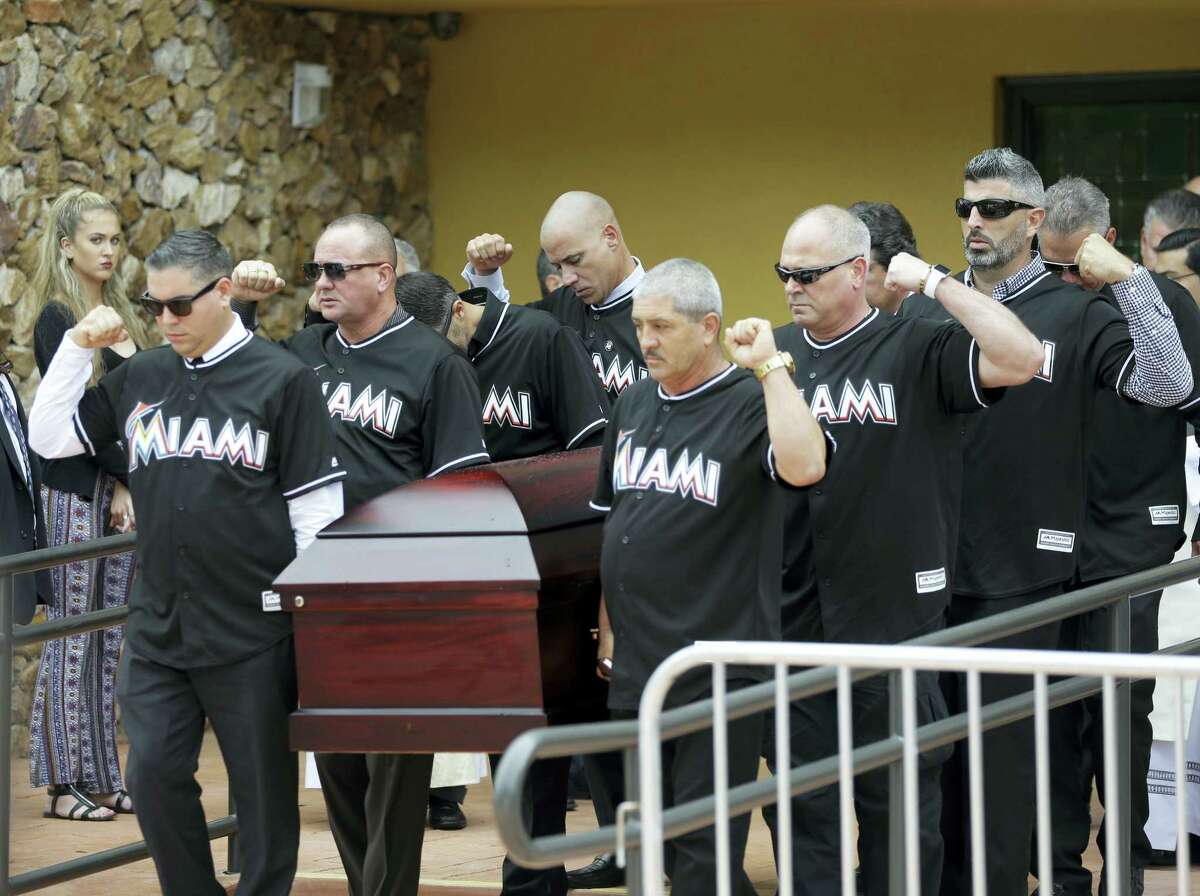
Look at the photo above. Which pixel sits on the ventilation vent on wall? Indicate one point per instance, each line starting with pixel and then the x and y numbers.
pixel 310 94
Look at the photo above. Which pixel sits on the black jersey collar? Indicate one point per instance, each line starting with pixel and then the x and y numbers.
pixel 235 337
pixel 624 291
pixel 494 312
pixel 858 327
pixel 707 384
pixel 398 321
pixel 1011 287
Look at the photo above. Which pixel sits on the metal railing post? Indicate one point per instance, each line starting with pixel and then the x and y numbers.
pixel 7 596
pixel 233 860
pixel 1119 642
pixel 633 854
pixel 895 791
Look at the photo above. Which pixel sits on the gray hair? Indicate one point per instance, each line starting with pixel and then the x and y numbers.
pixel 196 251
pixel 406 253
pixel 691 286
pixel 847 236
pixel 1074 204
pixel 1175 208
pixel 1002 163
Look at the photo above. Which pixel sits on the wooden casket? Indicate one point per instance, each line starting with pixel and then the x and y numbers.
pixel 451 614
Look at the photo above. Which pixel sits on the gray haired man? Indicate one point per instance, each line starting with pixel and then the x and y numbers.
pixel 1166 213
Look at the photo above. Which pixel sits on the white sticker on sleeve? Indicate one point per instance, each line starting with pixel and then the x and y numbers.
pixel 271 602
pixel 1054 540
pixel 931 580
pixel 1164 515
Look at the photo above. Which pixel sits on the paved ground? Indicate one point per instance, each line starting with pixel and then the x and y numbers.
pixel 459 863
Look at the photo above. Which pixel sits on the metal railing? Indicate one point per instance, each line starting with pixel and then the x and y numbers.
pixel 12 637
pixel 625 837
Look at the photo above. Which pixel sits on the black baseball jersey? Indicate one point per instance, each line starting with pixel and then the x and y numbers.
pixel 608 334
pixel 405 403
pixel 540 393
pixel 1136 494
pixel 216 449
pixel 873 543
pixel 693 539
pixel 917 304
pixel 1026 462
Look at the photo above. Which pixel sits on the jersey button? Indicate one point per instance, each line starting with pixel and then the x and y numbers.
pixel 187 595
pixel 639 496
pixel 345 351
pixel 341 370
pixel 658 428
pixel 192 397
pixel 816 354
pixel 180 508
pixel 195 376
pixel 182 551
pixel 595 315
pixel 624 539
pixel 591 334
pixel 817 491
pixel 812 376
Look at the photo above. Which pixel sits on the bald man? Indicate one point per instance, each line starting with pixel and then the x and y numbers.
pixel 580 235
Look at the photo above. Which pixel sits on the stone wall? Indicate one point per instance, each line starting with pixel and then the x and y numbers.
pixel 180 112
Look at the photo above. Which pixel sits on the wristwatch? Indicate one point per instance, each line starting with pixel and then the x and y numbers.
pixel 777 360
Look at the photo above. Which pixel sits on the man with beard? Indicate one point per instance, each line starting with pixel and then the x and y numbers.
pixel 1017 545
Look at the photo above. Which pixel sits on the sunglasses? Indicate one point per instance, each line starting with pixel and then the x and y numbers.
pixel 1060 268
pixel 808 276
pixel 334 270
pixel 989 209
pixel 179 307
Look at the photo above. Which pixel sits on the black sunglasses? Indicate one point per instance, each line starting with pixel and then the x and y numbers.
pixel 334 270
pixel 989 209
pixel 179 307
pixel 1060 268
pixel 808 276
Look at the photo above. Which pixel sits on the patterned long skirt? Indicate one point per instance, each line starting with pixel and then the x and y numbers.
pixel 73 728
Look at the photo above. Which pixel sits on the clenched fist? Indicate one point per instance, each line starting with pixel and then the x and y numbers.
pixel 100 328
pixel 906 272
pixel 750 342
pixel 1100 263
pixel 254 281
pixel 487 253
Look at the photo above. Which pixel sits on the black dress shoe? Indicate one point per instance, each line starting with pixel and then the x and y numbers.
pixel 603 872
pixel 445 816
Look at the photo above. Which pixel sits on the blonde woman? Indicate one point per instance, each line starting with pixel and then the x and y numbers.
pixel 73 742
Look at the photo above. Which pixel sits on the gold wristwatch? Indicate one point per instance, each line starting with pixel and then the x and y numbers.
pixel 777 360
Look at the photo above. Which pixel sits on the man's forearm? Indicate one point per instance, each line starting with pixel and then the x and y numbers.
pixel 1162 375
pixel 493 281
pixel 1009 354
pixel 796 439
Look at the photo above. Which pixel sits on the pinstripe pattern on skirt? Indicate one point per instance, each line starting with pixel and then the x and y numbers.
pixel 73 726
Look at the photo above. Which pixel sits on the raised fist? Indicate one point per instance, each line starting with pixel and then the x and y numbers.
pixel 254 281
pixel 1101 263
pixel 487 253
pixel 906 272
pixel 100 328
pixel 750 342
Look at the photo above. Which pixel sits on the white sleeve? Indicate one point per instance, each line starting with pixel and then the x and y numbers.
pixel 313 511
pixel 493 281
pixel 52 418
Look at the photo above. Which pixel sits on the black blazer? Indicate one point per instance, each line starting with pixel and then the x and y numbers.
pixel 18 511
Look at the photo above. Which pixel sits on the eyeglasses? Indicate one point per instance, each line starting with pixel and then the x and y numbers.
pixel 989 209
pixel 1060 268
pixel 334 270
pixel 808 276
pixel 179 307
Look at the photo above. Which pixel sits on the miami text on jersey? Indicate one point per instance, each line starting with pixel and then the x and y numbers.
pixel 378 411
pixel 516 412
pixel 690 477
pixel 150 436
pixel 878 406
pixel 617 376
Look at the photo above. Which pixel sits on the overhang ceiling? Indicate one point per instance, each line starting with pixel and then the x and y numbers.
pixel 1135 8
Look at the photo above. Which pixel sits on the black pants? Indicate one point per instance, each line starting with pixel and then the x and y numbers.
pixel 691 859
pixel 544 811
pixel 816 844
pixel 1077 749
pixel 455 794
pixel 1008 769
pixel 606 784
pixel 377 804
pixel 248 704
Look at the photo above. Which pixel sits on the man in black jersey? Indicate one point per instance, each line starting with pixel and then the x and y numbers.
pixel 1136 502
pixel 539 391
pixel 691 470
pixel 889 390
pixel 891 234
pixel 405 405
pixel 232 472
pixel 580 235
pixel 1024 486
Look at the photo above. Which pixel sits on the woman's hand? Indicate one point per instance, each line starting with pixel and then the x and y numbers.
pixel 120 512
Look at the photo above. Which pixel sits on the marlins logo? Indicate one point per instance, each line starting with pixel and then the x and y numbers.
pixel 867 404
pixel 150 436
pixel 688 477
pixel 617 377
pixel 380 412
pixel 516 412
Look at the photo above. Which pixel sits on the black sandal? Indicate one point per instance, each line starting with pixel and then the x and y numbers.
pixel 122 802
pixel 83 810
